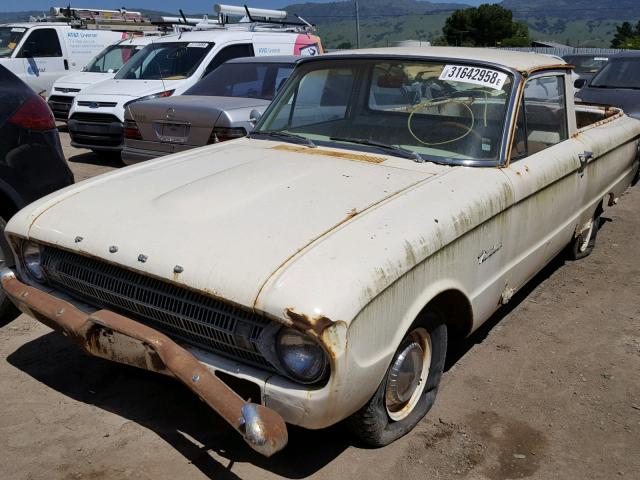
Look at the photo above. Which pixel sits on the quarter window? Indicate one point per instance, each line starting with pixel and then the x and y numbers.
pixel 542 122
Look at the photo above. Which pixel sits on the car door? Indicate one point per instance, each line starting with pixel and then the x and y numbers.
pixel 544 170
pixel 42 58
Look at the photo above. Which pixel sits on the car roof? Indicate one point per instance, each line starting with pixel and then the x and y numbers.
pixel 629 54
pixel 268 59
pixel 588 55
pixel 213 34
pixel 521 61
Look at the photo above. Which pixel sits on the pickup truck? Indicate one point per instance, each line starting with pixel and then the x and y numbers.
pixel 388 202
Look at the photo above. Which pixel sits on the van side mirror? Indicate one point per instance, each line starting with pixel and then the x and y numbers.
pixel 579 83
pixel 254 116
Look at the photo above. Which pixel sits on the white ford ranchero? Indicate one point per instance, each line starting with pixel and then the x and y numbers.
pixel 388 202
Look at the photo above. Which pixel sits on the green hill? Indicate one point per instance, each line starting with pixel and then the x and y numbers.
pixel 381 32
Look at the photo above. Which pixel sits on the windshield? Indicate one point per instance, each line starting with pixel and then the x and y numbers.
pixel 441 111
pixel 249 80
pixel 619 73
pixel 165 61
pixel 586 64
pixel 9 39
pixel 112 58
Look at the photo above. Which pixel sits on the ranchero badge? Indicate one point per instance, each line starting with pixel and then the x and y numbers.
pixel 171 113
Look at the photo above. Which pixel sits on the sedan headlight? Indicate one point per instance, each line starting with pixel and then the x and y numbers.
pixel 32 261
pixel 301 356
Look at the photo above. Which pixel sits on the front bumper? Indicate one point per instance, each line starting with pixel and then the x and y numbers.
pixel 114 337
pixel 132 155
pixel 104 134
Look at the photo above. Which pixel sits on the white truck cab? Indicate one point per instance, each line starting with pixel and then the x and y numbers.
pixel 171 64
pixel 39 53
pixel 102 67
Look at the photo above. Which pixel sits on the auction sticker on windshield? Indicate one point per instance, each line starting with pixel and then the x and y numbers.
pixel 476 75
pixel 197 45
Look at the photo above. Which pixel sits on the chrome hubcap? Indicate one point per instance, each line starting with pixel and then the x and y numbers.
pixel 407 375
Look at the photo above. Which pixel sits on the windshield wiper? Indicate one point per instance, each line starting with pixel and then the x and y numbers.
pixel 299 139
pixel 402 152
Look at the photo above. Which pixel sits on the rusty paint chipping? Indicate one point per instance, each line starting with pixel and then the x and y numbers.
pixel 330 153
pixel 305 323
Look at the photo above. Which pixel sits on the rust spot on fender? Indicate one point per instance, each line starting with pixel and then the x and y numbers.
pixel 332 334
pixel 303 322
pixel 330 153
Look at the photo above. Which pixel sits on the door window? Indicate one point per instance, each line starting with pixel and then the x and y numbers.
pixel 228 53
pixel 42 42
pixel 542 120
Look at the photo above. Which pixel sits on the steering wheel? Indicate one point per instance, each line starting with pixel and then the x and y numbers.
pixel 468 128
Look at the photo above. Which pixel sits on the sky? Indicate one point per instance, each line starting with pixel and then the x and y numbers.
pixel 189 6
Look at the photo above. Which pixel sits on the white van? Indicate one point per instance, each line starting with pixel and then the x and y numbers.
pixel 102 67
pixel 40 53
pixel 170 65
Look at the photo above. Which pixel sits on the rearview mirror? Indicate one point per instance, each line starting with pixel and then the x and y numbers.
pixel 579 83
pixel 391 81
pixel 28 49
pixel 254 116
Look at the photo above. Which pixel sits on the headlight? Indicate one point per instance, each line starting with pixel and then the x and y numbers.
pixel 31 260
pixel 301 356
pixel 166 93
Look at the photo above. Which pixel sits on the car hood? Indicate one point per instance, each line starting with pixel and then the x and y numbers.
pixel 228 215
pixel 198 110
pixel 624 98
pixel 80 79
pixel 131 88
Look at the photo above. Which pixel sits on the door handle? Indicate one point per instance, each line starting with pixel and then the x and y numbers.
pixel 584 160
pixel 66 64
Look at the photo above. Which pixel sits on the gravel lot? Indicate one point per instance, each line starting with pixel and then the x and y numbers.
pixel 549 389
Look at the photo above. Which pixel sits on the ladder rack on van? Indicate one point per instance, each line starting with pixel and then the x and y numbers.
pixel 99 19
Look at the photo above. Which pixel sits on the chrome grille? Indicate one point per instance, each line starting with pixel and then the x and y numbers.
pixel 180 313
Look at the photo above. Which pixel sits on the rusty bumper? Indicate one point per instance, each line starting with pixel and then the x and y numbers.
pixel 114 337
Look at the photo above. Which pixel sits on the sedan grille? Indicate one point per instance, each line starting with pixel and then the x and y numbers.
pixel 180 313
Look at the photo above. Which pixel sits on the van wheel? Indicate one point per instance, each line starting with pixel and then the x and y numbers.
pixel 582 245
pixel 409 388
pixel 7 310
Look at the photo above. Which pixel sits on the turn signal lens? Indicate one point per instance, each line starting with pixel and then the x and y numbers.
pixel 34 114
pixel 131 130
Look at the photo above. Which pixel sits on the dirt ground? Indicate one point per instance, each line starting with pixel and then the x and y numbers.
pixel 550 389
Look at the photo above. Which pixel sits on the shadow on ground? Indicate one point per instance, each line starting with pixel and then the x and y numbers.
pixel 176 415
pixel 100 159
pixel 164 406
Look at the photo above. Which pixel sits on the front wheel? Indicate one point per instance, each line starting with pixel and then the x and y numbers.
pixel 583 244
pixel 409 388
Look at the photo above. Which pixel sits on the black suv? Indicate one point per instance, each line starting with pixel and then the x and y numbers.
pixel 32 164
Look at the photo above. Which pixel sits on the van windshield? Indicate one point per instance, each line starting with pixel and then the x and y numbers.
pixel 9 39
pixel 248 80
pixel 435 111
pixel 165 61
pixel 112 58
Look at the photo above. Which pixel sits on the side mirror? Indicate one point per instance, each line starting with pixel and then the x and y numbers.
pixel 579 83
pixel 254 116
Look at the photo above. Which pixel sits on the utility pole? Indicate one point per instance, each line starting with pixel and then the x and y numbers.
pixel 357 25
